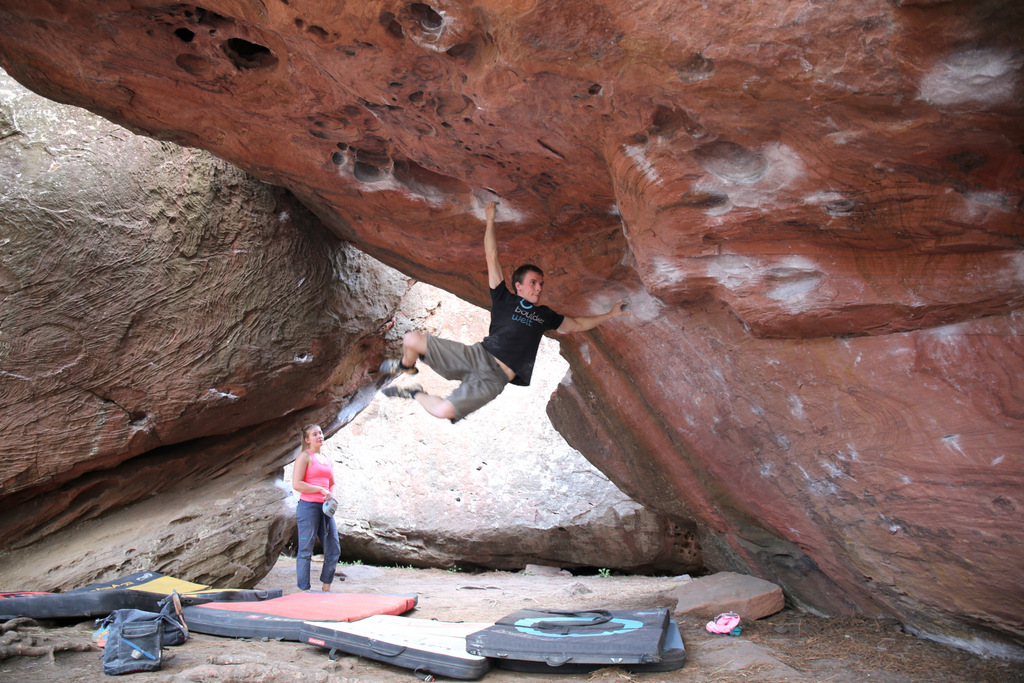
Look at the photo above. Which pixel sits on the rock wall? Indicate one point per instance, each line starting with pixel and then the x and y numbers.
pixel 814 210
pixel 167 324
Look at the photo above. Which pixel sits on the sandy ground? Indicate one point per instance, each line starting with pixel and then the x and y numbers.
pixel 788 646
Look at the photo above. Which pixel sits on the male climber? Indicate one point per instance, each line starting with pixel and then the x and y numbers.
pixel 507 354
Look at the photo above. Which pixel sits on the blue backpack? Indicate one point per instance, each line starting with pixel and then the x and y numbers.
pixel 135 638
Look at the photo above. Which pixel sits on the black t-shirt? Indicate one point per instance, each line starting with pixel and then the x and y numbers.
pixel 516 329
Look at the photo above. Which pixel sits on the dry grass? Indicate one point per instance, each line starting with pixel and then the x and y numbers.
pixel 862 645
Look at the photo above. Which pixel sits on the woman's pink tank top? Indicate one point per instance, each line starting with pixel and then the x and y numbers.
pixel 318 473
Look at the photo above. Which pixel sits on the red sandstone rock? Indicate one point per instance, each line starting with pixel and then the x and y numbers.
pixel 750 597
pixel 815 211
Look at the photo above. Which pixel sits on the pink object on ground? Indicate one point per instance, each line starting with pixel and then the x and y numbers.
pixel 724 623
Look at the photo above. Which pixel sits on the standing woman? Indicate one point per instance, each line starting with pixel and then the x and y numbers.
pixel 313 478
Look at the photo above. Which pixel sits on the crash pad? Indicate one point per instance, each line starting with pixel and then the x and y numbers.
pixel 282 618
pixel 426 646
pixel 142 590
pixel 673 657
pixel 557 637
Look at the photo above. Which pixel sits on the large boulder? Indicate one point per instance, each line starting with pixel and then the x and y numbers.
pixel 814 210
pixel 226 535
pixel 168 322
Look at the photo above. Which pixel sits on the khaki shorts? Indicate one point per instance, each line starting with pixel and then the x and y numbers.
pixel 481 376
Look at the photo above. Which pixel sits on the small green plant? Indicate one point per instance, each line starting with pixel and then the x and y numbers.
pixel 353 563
pixel 453 570
pixel 604 573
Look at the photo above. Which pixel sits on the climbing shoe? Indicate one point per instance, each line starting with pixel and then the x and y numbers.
pixel 402 392
pixel 393 366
